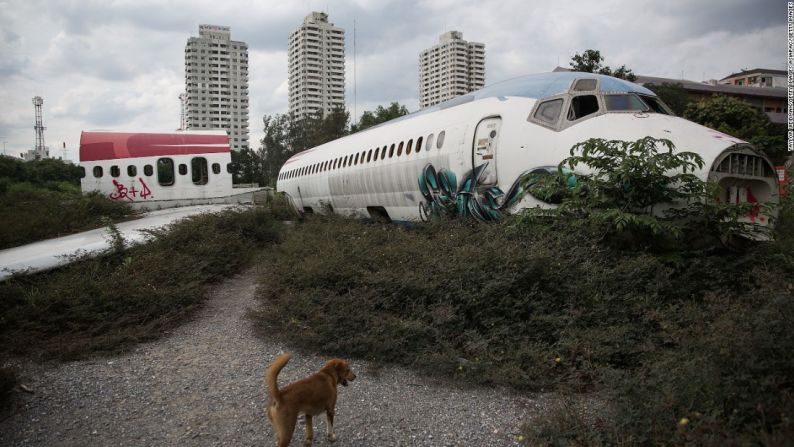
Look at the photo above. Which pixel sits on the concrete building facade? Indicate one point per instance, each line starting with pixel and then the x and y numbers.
pixel 216 83
pixel 316 66
pixel 759 77
pixel 452 68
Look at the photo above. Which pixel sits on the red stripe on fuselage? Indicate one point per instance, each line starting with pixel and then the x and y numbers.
pixel 112 145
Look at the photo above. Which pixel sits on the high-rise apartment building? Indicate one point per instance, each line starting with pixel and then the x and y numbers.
pixel 452 68
pixel 316 66
pixel 216 81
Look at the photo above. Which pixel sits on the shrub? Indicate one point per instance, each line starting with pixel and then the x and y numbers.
pixel 105 304
pixel 641 194
pixel 660 335
pixel 29 213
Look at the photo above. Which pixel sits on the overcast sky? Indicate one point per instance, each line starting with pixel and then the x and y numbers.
pixel 119 64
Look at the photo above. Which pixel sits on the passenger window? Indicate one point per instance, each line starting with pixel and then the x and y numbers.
pixel 377 149
pixel 582 106
pixel 369 155
pixel 98 171
pixel 408 148
pixel 198 166
pixel 148 170
pixel 165 171
pixel 182 169
pixel 216 168
pixel 429 142
pixel 115 171
pixel 383 153
pixel 419 144
pixel 440 139
pixel 82 171
pixel 549 111
pixel 229 168
pixel 400 149
pixel 132 171
pixel 355 162
pixel 391 151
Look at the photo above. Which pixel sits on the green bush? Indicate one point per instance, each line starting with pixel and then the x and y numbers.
pixel 42 199
pixel 641 194
pixel 29 213
pixel 105 304
pixel 539 305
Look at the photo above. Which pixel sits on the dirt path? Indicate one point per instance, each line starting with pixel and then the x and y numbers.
pixel 204 385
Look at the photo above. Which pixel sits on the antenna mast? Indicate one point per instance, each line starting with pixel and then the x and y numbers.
pixel 39 127
pixel 183 111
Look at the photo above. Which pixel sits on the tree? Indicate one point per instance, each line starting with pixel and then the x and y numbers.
pixel 247 167
pixel 381 115
pixel 739 119
pixel 275 149
pixel 590 62
pixel 673 95
pixel 285 136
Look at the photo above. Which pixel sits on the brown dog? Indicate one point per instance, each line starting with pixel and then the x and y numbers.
pixel 311 396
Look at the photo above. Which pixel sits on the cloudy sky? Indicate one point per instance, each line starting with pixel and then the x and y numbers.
pixel 119 64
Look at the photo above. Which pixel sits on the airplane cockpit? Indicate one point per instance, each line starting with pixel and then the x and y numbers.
pixel 587 97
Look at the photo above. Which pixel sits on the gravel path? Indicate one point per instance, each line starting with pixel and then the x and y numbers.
pixel 204 384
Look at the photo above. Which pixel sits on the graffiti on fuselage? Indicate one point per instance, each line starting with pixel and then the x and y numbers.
pixel 443 196
pixel 124 193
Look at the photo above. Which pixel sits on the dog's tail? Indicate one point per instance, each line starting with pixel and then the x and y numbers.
pixel 272 376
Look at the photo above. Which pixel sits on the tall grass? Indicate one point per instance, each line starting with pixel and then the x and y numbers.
pixel 108 303
pixel 42 199
pixel 701 335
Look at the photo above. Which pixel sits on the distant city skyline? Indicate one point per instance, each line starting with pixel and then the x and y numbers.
pixel 120 66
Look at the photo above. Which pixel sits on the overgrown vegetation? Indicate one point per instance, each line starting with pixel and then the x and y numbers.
pixel 641 194
pixel 740 119
pixel 42 199
pixel 685 343
pixel 107 303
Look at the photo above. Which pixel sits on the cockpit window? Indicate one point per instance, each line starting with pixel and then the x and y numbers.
pixel 657 105
pixel 625 102
pixel 582 106
pixel 549 111
pixel 584 85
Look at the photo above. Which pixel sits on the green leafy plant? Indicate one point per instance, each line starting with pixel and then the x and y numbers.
pixel 641 192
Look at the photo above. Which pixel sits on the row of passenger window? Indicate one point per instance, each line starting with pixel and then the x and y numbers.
pixel 370 156
pixel 165 170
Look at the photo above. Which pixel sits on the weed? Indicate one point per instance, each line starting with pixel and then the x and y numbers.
pixel 109 303
pixel 535 304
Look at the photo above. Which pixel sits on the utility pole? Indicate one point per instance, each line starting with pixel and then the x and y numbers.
pixel 183 111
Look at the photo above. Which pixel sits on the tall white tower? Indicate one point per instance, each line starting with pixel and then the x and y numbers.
pixel 40 150
pixel 216 82
pixel 452 68
pixel 316 66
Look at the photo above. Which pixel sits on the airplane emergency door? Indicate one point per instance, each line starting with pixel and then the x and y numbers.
pixel 486 138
